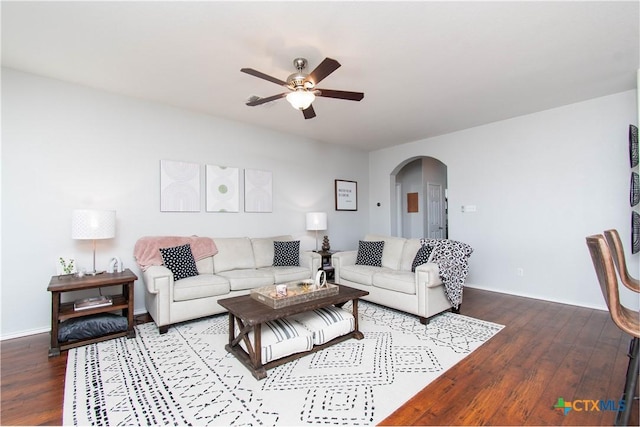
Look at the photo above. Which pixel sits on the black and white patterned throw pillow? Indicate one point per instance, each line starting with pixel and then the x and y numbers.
pixel 286 254
pixel 180 261
pixel 370 253
pixel 422 256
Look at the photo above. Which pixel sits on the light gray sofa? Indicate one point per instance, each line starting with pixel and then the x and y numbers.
pixel 394 284
pixel 240 265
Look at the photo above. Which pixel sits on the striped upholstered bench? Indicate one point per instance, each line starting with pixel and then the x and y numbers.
pixel 299 333
pixel 281 338
pixel 326 323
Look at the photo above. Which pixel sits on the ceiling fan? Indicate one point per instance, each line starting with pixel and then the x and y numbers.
pixel 302 87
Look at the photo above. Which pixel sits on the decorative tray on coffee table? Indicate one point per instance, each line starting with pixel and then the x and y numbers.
pixel 297 292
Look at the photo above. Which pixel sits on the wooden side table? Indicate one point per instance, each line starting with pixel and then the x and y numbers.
pixel 326 263
pixel 63 311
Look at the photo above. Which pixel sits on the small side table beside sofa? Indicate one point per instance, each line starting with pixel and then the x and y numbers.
pixel 64 311
pixel 325 263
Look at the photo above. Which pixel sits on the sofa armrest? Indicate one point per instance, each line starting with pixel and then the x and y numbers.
pixel 158 278
pixel 341 259
pixel 158 282
pixel 428 275
pixel 312 261
pixel 344 258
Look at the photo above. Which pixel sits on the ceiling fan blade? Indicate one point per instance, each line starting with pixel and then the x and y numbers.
pixel 309 112
pixel 260 101
pixel 325 68
pixel 340 94
pixel 264 76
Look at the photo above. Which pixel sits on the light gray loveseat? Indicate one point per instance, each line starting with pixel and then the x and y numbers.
pixel 394 284
pixel 240 265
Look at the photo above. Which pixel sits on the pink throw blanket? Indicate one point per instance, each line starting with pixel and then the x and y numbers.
pixel 147 249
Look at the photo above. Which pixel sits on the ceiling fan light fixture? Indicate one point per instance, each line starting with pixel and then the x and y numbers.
pixel 300 99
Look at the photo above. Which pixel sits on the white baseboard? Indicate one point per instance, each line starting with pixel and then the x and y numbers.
pixel 536 297
pixel 21 334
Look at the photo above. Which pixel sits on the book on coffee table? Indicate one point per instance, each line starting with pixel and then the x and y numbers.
pixel 93 302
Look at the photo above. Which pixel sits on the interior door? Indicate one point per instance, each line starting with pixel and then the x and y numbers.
pixel 435 211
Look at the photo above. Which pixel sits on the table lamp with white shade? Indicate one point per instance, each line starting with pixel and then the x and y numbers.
pixel 91 224
pixel 316 221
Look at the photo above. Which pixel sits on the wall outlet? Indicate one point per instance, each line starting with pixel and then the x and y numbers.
pixel 519 271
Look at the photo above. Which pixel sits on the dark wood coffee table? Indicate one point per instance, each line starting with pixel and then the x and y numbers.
pixel 250 314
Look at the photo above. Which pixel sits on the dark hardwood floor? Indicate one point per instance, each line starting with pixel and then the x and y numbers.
pixel 546 351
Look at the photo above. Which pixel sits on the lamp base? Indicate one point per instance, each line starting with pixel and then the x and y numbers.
pixel 93 273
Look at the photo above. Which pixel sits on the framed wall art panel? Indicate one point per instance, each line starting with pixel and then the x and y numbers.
pixel 222 189
pixel 635 232
pixel 633 146
pixel 346 195
pixel 634 192
pixel 179 186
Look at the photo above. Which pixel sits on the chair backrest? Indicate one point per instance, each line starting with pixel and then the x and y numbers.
pixel 624 318
pixel 617 251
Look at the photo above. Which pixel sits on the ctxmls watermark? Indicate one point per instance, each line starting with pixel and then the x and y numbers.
pixel 588 405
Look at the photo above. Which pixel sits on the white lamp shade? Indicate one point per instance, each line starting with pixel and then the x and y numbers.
pixel 93 224
pixel 316 221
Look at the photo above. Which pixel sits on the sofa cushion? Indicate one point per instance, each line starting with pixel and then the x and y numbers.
pixel 409 251
pixel 392 249
pixel 360 273
pixel 326 323
pixel 370 253
pixel 247 278
pixel 200 286
pixel 280 338
pixel 233 253
pixel 263 249
pixel 398 281
pixel 179 260
pixel 286 254
pixel 422 256
pixel 205 265
pixel 287 274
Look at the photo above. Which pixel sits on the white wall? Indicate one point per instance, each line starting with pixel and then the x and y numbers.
pixel 541 183
pixel 410 177
pixel 66 146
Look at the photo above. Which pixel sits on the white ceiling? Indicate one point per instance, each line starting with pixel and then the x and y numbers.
pixel 426 68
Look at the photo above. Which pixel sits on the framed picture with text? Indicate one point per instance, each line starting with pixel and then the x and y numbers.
pixel 346 195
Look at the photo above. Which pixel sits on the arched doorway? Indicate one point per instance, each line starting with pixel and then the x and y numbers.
pixel 419 199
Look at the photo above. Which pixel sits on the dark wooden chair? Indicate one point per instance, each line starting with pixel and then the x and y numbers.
pixel 617 251
pixel 626 319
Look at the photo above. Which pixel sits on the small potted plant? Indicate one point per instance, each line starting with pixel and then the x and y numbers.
pixel 66 266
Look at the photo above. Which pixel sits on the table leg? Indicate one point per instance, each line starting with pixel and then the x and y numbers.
pixel 54 348
pixel 131 332
pixel 356 333
pixel 252 357
pixel 232 335
pixel 257 346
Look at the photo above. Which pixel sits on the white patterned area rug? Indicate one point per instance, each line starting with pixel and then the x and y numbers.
pixel 186 377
